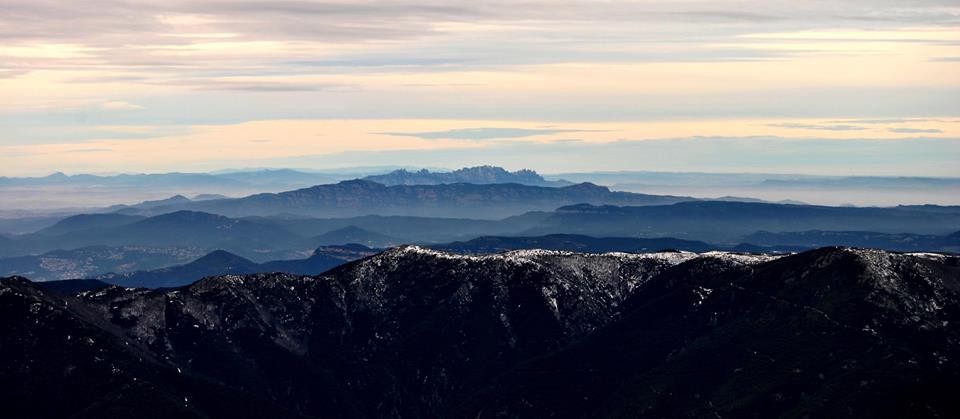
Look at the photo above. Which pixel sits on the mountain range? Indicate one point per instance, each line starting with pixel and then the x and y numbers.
pixel 87 262
pixel 175 229
pixel 61 265
pixel 729 222
pixel 905 242
pixel 479 175
pixel 723 225
pixel 256 238
pixel 464 200
pixel 413 332
pixel 220 262
pixel 573 243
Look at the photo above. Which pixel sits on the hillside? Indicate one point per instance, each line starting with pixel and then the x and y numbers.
pixel 413 332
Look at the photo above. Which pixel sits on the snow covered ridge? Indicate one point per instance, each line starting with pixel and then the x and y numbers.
pixel 877 253
pixel 675 257
pixel 530 255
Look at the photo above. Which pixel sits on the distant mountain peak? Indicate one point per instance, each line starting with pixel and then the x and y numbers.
pixel 221 256
pixel 477 174
pixel 587 186
pixel 355 235
pixel 360 182
pixel 188 215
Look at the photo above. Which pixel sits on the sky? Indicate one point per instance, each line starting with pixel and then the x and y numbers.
pixel 856 87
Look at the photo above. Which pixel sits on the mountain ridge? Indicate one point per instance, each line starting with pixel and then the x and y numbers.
pixel 475 175
pixel 221 262
pixel 418 332
pixel 360 197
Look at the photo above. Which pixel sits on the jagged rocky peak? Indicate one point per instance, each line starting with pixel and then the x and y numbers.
pixel 478 175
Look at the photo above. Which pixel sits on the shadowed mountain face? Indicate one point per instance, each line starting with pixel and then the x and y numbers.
pixel 900 242
pixel 356 235
pixel 729 222
pixel 419 333
pixel 83 222
pixel 477 175
pixel 90 261
pixel 215 263
pixel 220 262
pixel 361 197
pixel 177 229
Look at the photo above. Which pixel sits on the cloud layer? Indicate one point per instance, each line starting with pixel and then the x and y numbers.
pixel 72 74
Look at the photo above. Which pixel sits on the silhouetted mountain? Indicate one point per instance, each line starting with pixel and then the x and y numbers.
pixel 354 234
pixel 220 262
pixel 419 333
pixel 177 229
pixel 87 262
pixel 173 200
pixel 191 228
pixel 256 238
pixel 72 286
pixel 887 241
pixel 772 249
pixel 323 259
pixel 747 199
pixel 209 196
pixel 573 243
pixel 728 222
pixel 71 193
pixel 215 263
pixel 361 197
pixel 477 175
pixel 88 221
pixel 410 229
pixel 28 223
pixel 146 205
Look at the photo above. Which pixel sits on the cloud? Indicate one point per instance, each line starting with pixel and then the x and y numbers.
pixel 836 127
pixel 120 106
pixel 496 60
pixel 654 145
pixel 266 87
pixel 882 121
pixel 89 150
pixel 915 130
pixel 5 74
pixel 483 133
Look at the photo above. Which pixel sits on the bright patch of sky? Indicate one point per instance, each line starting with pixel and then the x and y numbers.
pixel 184 85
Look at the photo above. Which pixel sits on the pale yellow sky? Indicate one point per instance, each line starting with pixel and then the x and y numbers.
pixel 163 86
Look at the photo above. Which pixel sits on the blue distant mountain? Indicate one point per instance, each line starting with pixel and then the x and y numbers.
pixel 728 222
pixel 220 262
pixel 464 200
pixel 479 175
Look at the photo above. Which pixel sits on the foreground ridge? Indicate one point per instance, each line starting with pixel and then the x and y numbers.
pixel 413 331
